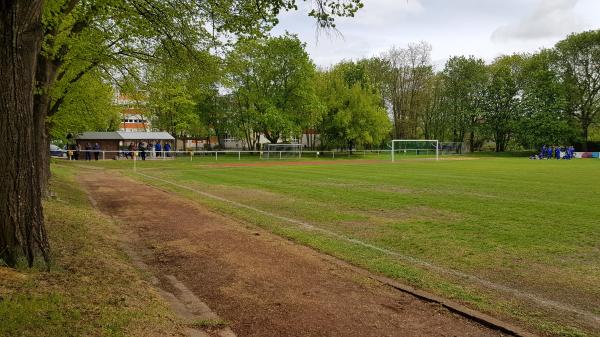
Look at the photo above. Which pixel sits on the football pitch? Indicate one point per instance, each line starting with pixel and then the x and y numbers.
pixel 516 238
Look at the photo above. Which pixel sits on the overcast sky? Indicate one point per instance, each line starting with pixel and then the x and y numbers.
pixel 484 28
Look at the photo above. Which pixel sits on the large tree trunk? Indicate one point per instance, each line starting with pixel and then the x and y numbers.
pixel 22 232
pixel 45 75
pixel 271 138
pixel 472 141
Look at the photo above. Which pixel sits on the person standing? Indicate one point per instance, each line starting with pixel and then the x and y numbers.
pixel 129 152
pixel 88 151
pixel 142 148
pixel 167 149
pixel 544 152
pixel 96 151
pixel 158 149
pixel 77 151
pixel 557 152
pixel 151 149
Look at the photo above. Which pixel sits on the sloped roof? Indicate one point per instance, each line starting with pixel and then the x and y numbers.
pixel 125 135
pixel 131 135
pixel 98 136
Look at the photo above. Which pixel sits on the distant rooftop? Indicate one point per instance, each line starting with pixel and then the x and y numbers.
pixel 124 135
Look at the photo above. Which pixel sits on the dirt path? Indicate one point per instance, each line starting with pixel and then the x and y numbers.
pixel 261 284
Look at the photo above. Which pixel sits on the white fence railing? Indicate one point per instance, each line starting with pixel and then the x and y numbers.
pixel 240 154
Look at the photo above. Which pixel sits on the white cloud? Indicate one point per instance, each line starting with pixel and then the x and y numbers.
pixel 551 18
pixel 385 12
pixel 453 27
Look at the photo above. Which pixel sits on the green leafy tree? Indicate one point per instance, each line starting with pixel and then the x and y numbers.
pixel 544 118
pixel 273 81
pixel 215 113
pixel 578 65
pixel 406 73
pixel 465 81
pixel 502 99
pixel 354 114
pixel 436 119
pixel 176 85
pixel 87 106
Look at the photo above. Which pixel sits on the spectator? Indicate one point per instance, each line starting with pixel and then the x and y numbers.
pixel 77 151
pixel 167 149
pixel 96 151
pixel 88 151
pixel 543 153
pixel 158 149
pixel 129 152
pixel 142 149
pixel 151 149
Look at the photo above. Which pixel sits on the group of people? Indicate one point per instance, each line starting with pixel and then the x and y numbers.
pixel 143 149
pixel 556 152
pixel 74 151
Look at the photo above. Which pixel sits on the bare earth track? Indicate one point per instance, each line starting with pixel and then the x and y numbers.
pixel 261 284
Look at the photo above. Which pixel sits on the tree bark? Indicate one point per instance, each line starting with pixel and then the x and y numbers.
pixel 45 76
pixel 22 231
pixel 472 141
pixel 585 128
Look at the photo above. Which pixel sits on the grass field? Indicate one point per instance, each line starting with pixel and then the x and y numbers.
pixel 510 236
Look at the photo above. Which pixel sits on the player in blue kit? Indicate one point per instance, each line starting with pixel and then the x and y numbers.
pixel 543 153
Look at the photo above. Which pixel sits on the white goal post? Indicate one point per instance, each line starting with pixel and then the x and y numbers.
pixel 279 150
pixel 416 147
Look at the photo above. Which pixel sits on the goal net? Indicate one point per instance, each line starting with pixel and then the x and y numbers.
pixel 415 148
pixel 279 151
pixel 452 148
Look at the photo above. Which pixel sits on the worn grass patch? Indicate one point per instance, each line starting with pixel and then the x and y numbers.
pixel 91 290
pixel 209 324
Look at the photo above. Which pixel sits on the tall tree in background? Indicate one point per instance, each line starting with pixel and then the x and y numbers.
pixel 578 64
pixel 273 80
pixel 354 113
pixel 436 119
pixel 465 80
pixel 502 99
pixel 544 119
pixel 175 84
pixel 407 73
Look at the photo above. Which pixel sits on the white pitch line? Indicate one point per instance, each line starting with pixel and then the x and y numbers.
pixel 486 283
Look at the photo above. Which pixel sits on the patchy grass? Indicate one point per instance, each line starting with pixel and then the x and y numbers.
pixel 91 290
pixel 529 225
pixel 209 324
